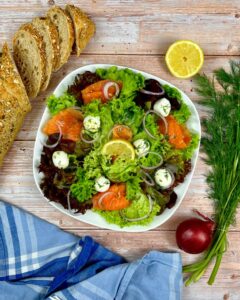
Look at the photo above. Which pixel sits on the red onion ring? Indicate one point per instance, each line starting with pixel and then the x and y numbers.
pixel 58 140
pixel 160 116
pixel 100 200
pixel 106 88
pixel 152 93
pixel 140 218
pixel 152 167
pixel 151 182
pixel 87 141
pixel 68 202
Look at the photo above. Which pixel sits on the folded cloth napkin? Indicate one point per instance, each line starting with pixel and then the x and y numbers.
pixel 40 261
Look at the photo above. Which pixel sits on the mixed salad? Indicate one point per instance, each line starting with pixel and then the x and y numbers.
pixel 118 144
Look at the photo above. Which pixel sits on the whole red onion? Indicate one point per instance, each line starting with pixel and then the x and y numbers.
pixel 195 235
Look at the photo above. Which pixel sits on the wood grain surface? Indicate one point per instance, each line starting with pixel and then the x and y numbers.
pixel 135 34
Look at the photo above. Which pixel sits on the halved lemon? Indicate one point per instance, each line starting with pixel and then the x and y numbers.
pixel 119 148
pixel 184 58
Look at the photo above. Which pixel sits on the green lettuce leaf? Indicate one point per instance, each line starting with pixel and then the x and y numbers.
pixel 183 114
pixel 56 104
pixel 138 208
pixel 133 187
pixel 125 111
pixel 121 170
pixel 132 82
pixel 83 188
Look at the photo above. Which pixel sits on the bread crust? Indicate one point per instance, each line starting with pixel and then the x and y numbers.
pixel 11 80
pixel 30 30
pixel 69 26
pixel 11 119
pixel 41 47
pixel 83 26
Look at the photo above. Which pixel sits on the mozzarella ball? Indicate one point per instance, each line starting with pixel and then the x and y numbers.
pixel 92 124
pixel 102 184
pixel 164 178
pixel 142 147
pixel 163 107
pixel 60 159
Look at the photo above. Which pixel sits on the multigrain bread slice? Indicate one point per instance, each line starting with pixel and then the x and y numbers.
pixel 11 81
pixel 83 26
pixel 30 58
pixel 65 30
pixel 50 36
pixel 11 119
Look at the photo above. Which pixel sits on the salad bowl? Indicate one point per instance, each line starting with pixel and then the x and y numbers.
pixel 90 216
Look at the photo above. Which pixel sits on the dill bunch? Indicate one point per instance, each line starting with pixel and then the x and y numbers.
pixel 221 143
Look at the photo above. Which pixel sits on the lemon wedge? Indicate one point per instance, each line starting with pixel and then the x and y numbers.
pixel 119 148
pixel 184 58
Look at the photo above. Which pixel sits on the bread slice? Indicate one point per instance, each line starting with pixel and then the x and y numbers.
pixel 11 120
pixel 30 58
pixel 84 27
pixel 50 36
pixel 65 30
pixel 11 80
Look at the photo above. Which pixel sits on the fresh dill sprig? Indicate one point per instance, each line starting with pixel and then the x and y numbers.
pixel 221 143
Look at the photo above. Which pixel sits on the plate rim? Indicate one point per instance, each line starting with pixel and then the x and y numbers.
pixel 110 226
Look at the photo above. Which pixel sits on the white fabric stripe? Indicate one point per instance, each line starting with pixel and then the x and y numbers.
pixel 172 275
pixel 61 295
pixel 39 289
pixel 32 233
pixel 35 266
pixel 55 298
pixel 20 231
pixel 40 253
pixel 75 253
pixel 75 293
pixel 38 278
pixel 96 290
pixel 8 235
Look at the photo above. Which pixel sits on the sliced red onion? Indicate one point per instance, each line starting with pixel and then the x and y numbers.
pixel 147 176
pixel 100 200
pixel 152 167
pixel 106 88
pixel 58 140
pixel 88 141
pixel 140 218
pixel 152 93
pixel 160 116
pixel 68 202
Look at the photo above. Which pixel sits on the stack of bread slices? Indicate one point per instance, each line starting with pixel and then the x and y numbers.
pixel 39 49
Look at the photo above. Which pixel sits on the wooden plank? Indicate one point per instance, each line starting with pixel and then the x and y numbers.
pixel 17 187
pixel 152 64
pixel 129 7
pixel 149 31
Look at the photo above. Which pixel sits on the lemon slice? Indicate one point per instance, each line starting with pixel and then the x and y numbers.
pixel 184 59
pixel 119 148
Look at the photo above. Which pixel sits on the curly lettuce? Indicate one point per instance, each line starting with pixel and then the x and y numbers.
pixel 131 81
pixel 139 207
pixel 56 104
pixel 83 189
pixel 125 111
pixel 121 170
pixel 183 114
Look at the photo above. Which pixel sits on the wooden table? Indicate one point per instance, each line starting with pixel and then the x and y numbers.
pixel 135 34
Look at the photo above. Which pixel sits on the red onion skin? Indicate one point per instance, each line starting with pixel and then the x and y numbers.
pixel 194 235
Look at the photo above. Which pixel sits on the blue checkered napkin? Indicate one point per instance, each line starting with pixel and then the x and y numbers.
pixel 39 261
